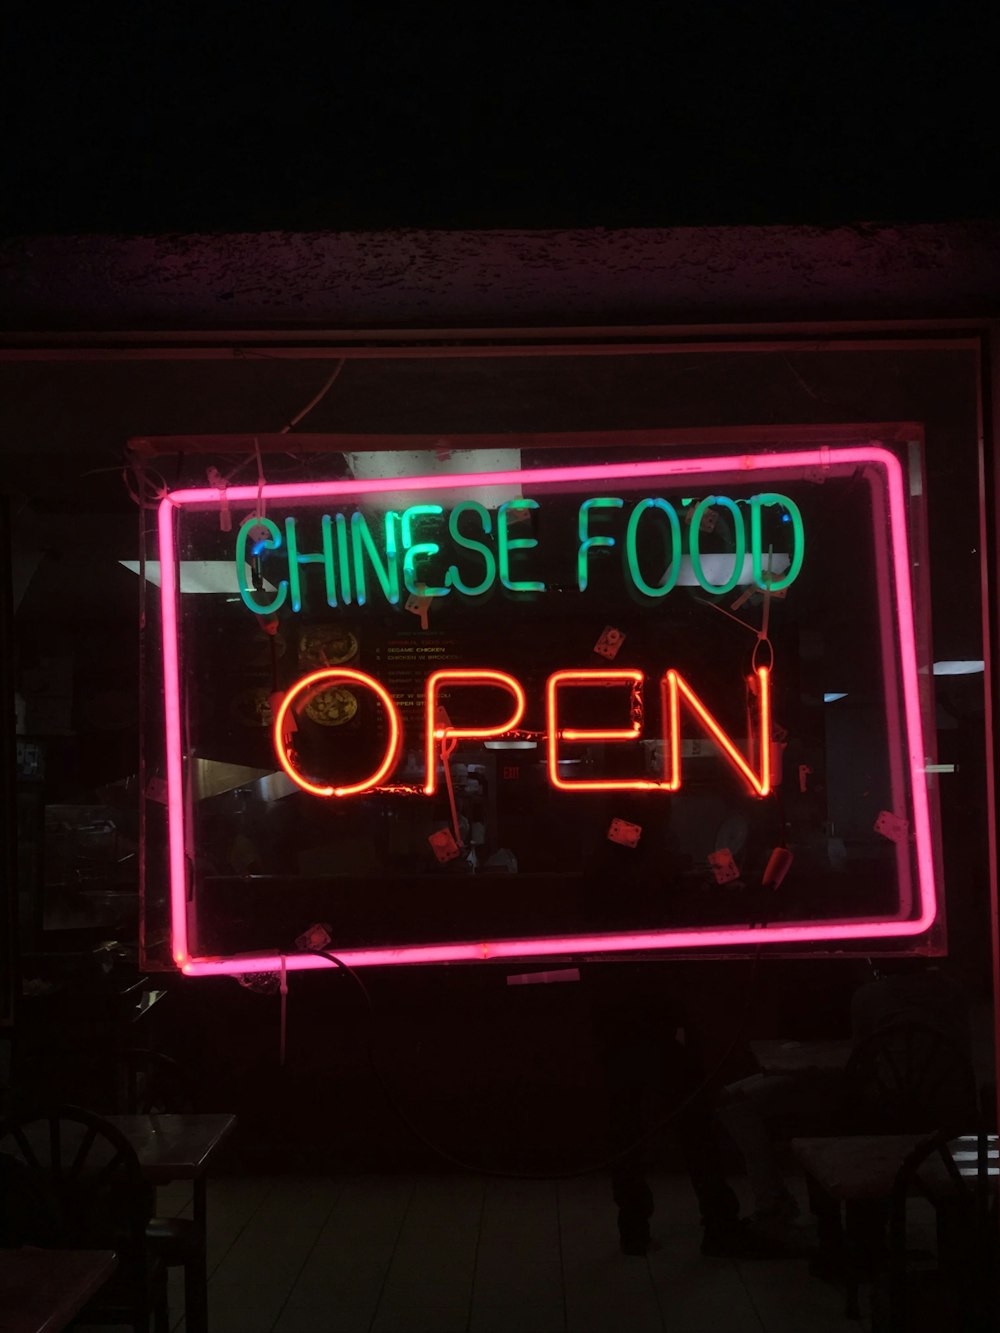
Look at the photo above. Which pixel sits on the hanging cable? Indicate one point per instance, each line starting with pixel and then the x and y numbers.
pixel 589 1169
pixel 313 402
pixel 447 750
pixel 283 985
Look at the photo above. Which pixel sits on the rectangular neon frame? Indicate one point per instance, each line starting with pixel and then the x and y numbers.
pixel 893 581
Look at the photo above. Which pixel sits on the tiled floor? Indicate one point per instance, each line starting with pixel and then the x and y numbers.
pixel 437 1254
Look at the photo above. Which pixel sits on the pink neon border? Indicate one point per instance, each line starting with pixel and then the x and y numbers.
pixel 735 465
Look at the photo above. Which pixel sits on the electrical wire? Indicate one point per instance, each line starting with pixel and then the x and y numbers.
pixel 592 1168
pixel 313 402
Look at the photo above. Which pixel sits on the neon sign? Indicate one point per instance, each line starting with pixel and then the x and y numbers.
pixel 439 733
pixel 359 557
pixel 400 556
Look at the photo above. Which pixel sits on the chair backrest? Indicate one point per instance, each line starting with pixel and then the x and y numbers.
pixel 75 1182
pixel 908 1078
pixel 963 1291
pixel 155 1082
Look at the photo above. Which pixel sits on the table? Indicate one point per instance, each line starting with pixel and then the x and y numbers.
pixel 180 1147
pixel 801 1057
pixel 42 1290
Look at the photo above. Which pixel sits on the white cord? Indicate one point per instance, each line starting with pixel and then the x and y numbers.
pixel 318 398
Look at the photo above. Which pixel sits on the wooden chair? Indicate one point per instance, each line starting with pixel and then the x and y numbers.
pixel 958 1289
pixel 74 1182
pixel 155 1082
pixel 906 1079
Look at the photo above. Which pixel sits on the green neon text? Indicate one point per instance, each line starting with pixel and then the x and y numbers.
pixel 414 551
pixel 296 558
pixel 587 543
pixel 270 543
pixel 756 540
pixel 632 555
pixel 739 537
pixel 363 544
pixel 453 578
pixel 364 556
pixel 506 544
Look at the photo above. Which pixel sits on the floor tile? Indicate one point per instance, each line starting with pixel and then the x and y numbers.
pixel 503 1283
pixel 276 1241
pixel 351 1254
pixel 435 1252
pixel 175 1296
pixel 538 1316
pixel 787 1299
pixel 523 1214
pixel 709 1294
pixel 330 1318
pixel 244 1310
pixel 232 1203
pixel 429 1308
pixel 606 1290
pixel 329 1278
pixel 367 1214
pixel 441 1254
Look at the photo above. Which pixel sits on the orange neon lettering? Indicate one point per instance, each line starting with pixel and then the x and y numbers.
pixel 437 734
pixel 327 679
pixel 567 679
pixel 674 688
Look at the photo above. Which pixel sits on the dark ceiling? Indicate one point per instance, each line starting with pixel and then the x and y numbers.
pixel 350 116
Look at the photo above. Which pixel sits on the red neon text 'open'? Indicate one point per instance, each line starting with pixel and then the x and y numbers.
pixel 675 689
pixel 440 734
pixel 329 678
pixel 567 679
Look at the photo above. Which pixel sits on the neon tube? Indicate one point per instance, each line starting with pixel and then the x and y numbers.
pixel 413 551
pixel 587 543
pixel 506 544
pixel 269 543
pixel 737 466
pixel 911 680
pixel 174 742
pixel 764 467
pixel 569 679
pixel 739 533
pixel 296 558
pixel 553 946
pixel 677 688
pixel 756 540
pixel 436 734
pixel 329 677
pixel 676 548
pixel 470 544
pixel 343 559
pixel 387 571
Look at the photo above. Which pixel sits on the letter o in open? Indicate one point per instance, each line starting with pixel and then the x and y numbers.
pixel 326 679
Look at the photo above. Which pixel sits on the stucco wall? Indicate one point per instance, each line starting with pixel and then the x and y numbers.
pixel 453 279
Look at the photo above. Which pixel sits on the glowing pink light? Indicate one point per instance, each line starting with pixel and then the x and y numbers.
pixel 763 466
pixel 552 946
pixel 172 717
